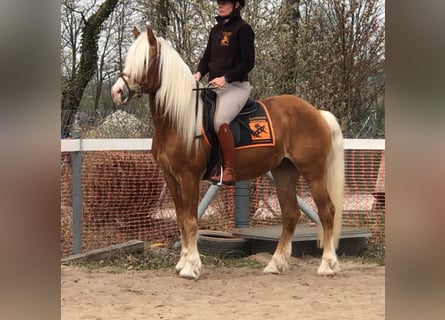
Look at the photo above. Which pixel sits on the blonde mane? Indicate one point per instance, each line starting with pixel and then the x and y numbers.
pixel 175 98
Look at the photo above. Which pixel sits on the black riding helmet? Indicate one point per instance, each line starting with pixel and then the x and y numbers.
pixel 241 2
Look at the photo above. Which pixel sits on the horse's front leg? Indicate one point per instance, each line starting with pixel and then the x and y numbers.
pixel 185 192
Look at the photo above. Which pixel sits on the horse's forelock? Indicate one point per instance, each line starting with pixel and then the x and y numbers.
pixel 138 58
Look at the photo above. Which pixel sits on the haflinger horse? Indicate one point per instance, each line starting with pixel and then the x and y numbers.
pixel 309 142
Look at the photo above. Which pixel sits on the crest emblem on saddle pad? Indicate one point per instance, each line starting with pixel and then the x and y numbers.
pixel 254 128
pixel 251 128
pixel 260 128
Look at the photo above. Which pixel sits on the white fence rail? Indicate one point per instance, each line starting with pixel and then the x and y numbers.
pixel 71 145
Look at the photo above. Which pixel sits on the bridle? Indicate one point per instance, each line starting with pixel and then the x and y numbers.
pixel 139 90
pixel 150 82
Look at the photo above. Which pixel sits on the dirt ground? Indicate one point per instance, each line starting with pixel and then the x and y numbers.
pixel 358 292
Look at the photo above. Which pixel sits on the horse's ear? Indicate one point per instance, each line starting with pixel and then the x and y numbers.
pixel 151 37
pixel 136 32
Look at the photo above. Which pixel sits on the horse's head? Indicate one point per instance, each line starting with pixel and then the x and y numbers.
pixel 141 73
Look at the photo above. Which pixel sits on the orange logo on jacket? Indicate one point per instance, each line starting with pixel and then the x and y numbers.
pixel 225 39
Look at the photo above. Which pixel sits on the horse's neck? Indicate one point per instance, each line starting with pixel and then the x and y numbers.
pixel 163 125
pixel 158 119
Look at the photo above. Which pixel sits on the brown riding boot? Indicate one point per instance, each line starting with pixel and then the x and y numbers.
pixel 227 146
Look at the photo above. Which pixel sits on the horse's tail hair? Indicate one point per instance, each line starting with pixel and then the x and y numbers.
pixel 335 172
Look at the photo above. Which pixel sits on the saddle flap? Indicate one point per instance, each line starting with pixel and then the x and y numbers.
pixel 249 107
pixel 251 128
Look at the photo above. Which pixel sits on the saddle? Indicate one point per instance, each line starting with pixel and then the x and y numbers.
pixel 251 128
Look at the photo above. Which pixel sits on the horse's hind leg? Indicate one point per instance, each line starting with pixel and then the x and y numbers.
pixel 326 210
pixel 285 177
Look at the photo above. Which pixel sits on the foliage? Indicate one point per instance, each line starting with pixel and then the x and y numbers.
pixel 154 258
pixel 376 252
pixel 341 59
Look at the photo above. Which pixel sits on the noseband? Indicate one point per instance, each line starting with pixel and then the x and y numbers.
pixel 139 89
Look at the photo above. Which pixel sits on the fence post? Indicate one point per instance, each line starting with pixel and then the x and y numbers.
pixel 77 201
pixel 242 192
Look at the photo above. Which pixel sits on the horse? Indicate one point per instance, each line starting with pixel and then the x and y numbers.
pixel 309 142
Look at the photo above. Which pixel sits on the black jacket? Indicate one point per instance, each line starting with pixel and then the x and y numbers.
pixel 230 50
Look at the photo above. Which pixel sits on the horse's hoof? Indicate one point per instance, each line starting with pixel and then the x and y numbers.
pixel 271 269
pixel 325 272
pixel 179 267
pixel 328 267
pixel 268 271
pixel 189 275
pixel 336 267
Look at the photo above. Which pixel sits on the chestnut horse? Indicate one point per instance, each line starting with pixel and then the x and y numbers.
pixel 309 142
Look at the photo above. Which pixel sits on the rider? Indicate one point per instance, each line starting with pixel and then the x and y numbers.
pixel 228 58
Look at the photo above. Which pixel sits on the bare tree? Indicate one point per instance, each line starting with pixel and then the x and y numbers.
pixel 329 52
pixel 291 15
pixel 70 37
pixel 185 24
pixel 341 58
pixel 112 39
pixel 75 86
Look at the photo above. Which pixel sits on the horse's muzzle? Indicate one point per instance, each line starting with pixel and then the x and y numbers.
pixel 120 92
pixel 124 94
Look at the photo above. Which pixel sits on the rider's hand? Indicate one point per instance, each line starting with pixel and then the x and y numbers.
pixel 218 82
pixel 197 76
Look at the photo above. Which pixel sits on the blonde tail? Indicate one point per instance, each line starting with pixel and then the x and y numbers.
pixel 335 178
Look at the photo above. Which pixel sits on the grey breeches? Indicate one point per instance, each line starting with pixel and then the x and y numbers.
pixel 230 100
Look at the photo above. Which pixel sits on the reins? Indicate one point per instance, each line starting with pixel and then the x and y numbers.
pixel 197 89
pixel 197 98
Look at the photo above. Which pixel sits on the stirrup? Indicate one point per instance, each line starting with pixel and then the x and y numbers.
pixel 216 182
pixel 219 179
